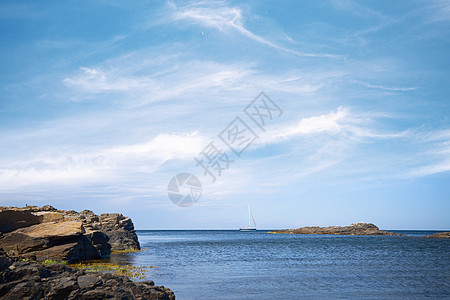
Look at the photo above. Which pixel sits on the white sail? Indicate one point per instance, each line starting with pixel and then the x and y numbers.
pixel 250 218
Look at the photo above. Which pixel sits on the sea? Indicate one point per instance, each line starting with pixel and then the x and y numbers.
pixel 229 264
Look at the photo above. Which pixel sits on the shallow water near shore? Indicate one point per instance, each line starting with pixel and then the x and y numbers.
pixel 228 264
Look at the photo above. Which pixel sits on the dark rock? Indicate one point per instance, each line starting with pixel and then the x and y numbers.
pixel 89 281
pixel 120 231
pixel 354 229
pixel 440 235
pixel 11 219
pixel 31 280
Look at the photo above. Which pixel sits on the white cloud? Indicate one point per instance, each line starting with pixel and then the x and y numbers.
pixel 336 122
pixel 388 88
pixel 434 155
pixel 227 19
pixel 171 79
pixel 95 80
pixel 324 123
pixel 443 166
pixel 102 165
pixel 164 147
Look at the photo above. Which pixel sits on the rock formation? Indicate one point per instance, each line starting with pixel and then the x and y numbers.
pixel 354 229
pixel 31 280
pixel 440 235
pixel 48 233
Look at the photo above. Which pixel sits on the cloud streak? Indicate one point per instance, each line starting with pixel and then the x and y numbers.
pixel 102 165
pixel 228 19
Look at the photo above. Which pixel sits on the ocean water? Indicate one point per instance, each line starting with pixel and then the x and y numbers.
pixel 228 264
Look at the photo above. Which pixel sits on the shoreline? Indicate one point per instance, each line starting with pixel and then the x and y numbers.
pixel 50 253
pixel 57 254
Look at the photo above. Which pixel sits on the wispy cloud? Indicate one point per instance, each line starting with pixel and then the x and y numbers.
pixel 139 79
pixel 433 156
pixel 102 165
pixel 228 19
pixel 341 121
pixel 387 88
pixel 163 82
pixel 437 11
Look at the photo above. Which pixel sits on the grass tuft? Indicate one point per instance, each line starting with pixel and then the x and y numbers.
pixel 129 250
pixel 135 272
pixel 48 262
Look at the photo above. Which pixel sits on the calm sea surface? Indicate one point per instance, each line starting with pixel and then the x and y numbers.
pixel 257 265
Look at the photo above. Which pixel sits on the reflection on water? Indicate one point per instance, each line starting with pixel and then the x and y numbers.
pixel 123 258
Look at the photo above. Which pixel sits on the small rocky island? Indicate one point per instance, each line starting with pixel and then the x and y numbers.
pixel 440 235
pixel 354 229
pixel 31 235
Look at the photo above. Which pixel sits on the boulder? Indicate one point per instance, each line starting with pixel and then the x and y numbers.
pixel 120 231
pixel 56 240
pixel 11 220
pixel 31 280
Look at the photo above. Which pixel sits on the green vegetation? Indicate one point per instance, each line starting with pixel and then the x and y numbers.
pixel 48 262
pixel 129 250
pixel 135 272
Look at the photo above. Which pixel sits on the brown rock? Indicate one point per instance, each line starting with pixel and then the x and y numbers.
pixel 13 219
pixel 56 240
pixel 440 235
pixel 46 228
pixel 354 229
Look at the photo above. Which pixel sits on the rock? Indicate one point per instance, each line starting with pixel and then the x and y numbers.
pixel 354 229
pixel 440 235
pixel 89 281
pixel 48 208
pixel 120 231
pixel 50 216
pixel 13 219
pixel 57 241
pixel 47 232
pixel 31 280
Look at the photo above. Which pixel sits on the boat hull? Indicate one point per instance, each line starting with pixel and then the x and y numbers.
pixel 247 229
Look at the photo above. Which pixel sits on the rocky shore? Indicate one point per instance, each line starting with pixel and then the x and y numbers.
pixel 440 235
pixel 30 235
pixel 31 280
pixel 354 229
pixel 41 233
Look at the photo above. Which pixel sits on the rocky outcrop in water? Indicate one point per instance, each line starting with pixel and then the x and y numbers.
pixel 440 235
pixel 354 229
pixel 31 280
pixel 47 233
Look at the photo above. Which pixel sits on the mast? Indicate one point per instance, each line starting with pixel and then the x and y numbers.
pixel 249 215
pixel 253 219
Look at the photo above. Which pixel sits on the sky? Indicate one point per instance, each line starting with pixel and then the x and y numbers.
pixel 102 103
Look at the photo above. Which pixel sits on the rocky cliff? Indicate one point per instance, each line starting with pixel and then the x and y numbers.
pixel 354 229
pixel 31 280
pixel 47 233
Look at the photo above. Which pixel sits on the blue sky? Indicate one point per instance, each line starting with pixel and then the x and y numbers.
pixel 102 102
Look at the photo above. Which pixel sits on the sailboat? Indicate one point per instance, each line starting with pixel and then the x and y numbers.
pixel 249 227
